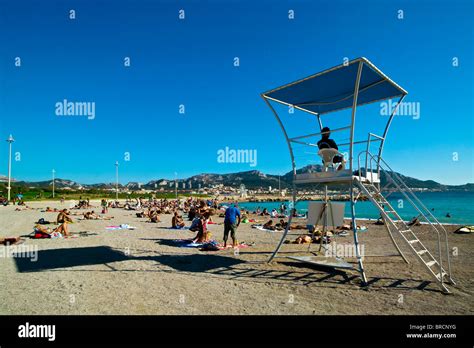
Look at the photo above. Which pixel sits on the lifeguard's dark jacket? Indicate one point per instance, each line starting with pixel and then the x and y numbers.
pixel 327 144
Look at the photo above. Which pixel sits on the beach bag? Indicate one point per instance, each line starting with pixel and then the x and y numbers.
pixel 465 229
pixel 42 221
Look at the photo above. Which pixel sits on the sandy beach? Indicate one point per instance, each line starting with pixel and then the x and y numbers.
pixel 141 271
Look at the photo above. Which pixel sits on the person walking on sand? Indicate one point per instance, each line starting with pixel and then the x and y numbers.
pixel 231 223
pixel 103 203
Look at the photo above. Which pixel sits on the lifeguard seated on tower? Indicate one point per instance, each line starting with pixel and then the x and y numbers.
pixel 328 151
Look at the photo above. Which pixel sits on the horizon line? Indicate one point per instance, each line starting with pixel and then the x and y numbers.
pixel 3 178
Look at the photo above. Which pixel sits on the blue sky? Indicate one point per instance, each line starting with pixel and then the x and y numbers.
pixel 190 62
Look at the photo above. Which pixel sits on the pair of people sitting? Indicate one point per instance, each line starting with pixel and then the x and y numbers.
pixel 63 220
pixel 281 225
pixel 203 235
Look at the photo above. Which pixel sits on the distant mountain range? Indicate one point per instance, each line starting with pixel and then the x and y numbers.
pixel 253 179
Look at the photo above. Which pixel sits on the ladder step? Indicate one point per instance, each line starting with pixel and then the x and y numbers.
pixel 431 263
pixel 413 241
pixel 404 231
pixel 421 252
pixel 437 275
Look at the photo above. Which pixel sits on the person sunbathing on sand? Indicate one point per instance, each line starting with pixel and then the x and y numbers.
pixel 42 231
pixel 306 239
pixel 177 221
pixel 303 240
pixel 414 222
pixel 23 207
pixel 281 225
pixel 88 215
pixel 93 216
pixel 298 227
pixel 154 216
pixel 203 235
pixel 9 240
pixel 268 225
pixel 63 219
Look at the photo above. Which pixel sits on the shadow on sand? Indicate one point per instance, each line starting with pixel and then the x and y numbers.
pixel 69 257
pixel 73 257
pixel 219 266
pixel 197 263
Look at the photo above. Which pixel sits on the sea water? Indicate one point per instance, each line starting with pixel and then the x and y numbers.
pixel 459 205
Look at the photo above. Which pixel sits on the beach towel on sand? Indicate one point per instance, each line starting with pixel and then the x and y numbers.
pixel 230 246
pixel 177 228
pixel 212 245
pixel 56 235
pixel 120 227
pixel 40 235
pixel 188 243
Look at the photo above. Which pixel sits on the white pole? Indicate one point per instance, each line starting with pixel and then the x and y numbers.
pixel 279 187
pixel 53 181
pixel 116 180
pixel 10 140
pixel 176 185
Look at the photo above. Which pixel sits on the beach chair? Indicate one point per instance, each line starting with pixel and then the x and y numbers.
pixel 327 155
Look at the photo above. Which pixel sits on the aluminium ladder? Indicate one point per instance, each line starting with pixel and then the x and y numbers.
pixel 393 221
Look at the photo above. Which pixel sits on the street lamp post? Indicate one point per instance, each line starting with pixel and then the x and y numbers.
pixel 53 172
pixel 10 140
pixel 279 186
pixel 116 180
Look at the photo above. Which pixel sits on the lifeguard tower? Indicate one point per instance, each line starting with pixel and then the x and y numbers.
pixel 342 89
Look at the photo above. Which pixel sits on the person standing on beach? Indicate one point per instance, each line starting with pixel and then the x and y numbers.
pixel 231 223
pixel 103 203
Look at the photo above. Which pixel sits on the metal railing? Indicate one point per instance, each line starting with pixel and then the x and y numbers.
pixel 411 197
